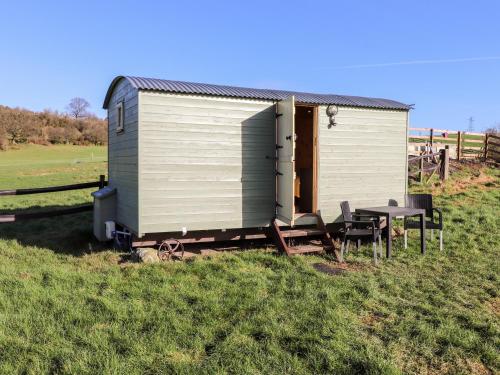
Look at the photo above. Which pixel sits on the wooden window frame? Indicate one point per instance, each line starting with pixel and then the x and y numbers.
pixel 120 117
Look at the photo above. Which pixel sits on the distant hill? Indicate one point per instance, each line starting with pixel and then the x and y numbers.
pixel 19 126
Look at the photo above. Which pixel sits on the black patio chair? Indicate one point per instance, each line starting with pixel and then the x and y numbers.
pixel 358 227
pixel 424 201
pixel 393 203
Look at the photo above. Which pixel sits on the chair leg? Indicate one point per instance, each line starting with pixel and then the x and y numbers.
pixel 358 244
pixel 441 240
pixel 375 252
pixel 406 239
pixel 342 251
pixel 380 245
pixel 347 246
pixel 432 234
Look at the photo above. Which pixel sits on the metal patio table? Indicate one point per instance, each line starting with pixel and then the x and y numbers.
pixel 390 212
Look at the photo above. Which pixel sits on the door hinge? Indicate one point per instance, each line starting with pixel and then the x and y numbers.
pixel 278 147
pixel 279 115
pixel 278 205
pixel 279 173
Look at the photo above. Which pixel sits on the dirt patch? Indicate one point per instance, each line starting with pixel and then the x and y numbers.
pixel 372 319
pixel 478 368
pixel 494 306
pixel 335 269
pixel 329 270
pixel 479 180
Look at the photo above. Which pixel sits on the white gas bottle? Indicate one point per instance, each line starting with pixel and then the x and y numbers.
pixel 110 229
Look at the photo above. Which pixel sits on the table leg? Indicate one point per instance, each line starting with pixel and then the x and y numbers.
pixel 388 244
pixel 422 233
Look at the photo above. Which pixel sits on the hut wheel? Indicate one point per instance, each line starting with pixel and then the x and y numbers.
pixel 168 248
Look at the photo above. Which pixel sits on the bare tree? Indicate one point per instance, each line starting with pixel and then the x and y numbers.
pixel 495 129
pixel 78 107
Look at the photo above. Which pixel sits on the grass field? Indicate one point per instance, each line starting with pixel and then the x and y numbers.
pixel 67 309
pixel 452 140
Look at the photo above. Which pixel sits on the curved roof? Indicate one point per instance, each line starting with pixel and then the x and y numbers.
pixel 163 85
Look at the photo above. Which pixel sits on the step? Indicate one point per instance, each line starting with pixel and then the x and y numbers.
pixel 303 232
pixel 306 249
pixel 302 219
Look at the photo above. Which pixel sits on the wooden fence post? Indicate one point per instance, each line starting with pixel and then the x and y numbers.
pixel 421 177
pixel 485 156
pixel 431 137
pixel 101 181
pixel 445 163
pixel 459 145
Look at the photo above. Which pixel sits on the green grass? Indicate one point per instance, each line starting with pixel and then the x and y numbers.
pixel 451 141
pixel 64 309
pixel 39 166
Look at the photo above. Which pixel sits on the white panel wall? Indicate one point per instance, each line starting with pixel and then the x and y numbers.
pixel 362 159
pixel 200 162
pixel 122 154
pixel 203 162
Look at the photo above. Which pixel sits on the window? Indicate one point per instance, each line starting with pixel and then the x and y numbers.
pixel 120 118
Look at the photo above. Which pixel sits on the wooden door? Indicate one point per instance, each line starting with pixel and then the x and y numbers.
pixel 286 160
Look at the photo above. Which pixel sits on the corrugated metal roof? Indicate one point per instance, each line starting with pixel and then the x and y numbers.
pixel 153 84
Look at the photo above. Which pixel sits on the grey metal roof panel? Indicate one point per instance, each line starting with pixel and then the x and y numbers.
pixel 153 84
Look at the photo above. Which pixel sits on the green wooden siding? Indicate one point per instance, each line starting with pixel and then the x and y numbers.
pixel 203 162
pixel 362 159
pixel 200 162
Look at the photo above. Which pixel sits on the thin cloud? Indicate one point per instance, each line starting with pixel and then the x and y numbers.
pixel 416 62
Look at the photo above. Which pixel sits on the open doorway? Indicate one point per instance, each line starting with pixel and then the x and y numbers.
pixel 305 159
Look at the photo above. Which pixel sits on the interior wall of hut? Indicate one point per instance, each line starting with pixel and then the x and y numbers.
pixel 304 130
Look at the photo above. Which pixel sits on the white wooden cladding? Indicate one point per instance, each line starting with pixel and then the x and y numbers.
pixel 123 155
pixel 203 162
pixel 200 162
pixel 362 159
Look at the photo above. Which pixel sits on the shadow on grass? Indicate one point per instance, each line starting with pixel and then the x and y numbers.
pixel 67 234
pixel 72 234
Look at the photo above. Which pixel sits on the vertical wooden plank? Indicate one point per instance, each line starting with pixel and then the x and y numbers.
pixel 421 166
pixel 278 238
pixel 445 163
pixel 431 137
pixel 486 138
pixel 286 160
pixel 101 181
pixel 459 145
pixel 315 159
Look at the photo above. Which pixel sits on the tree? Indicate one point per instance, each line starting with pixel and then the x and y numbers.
pixel 495 129
pixel 78 107
pixel 19 125
pixel 3 139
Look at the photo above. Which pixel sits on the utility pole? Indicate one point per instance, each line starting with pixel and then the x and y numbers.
pixel 471 124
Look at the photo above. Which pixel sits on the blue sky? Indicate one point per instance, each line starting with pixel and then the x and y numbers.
pixel 52 51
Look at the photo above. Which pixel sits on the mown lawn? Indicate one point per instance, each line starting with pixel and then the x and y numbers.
pixel 467 140
pixel 65 308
